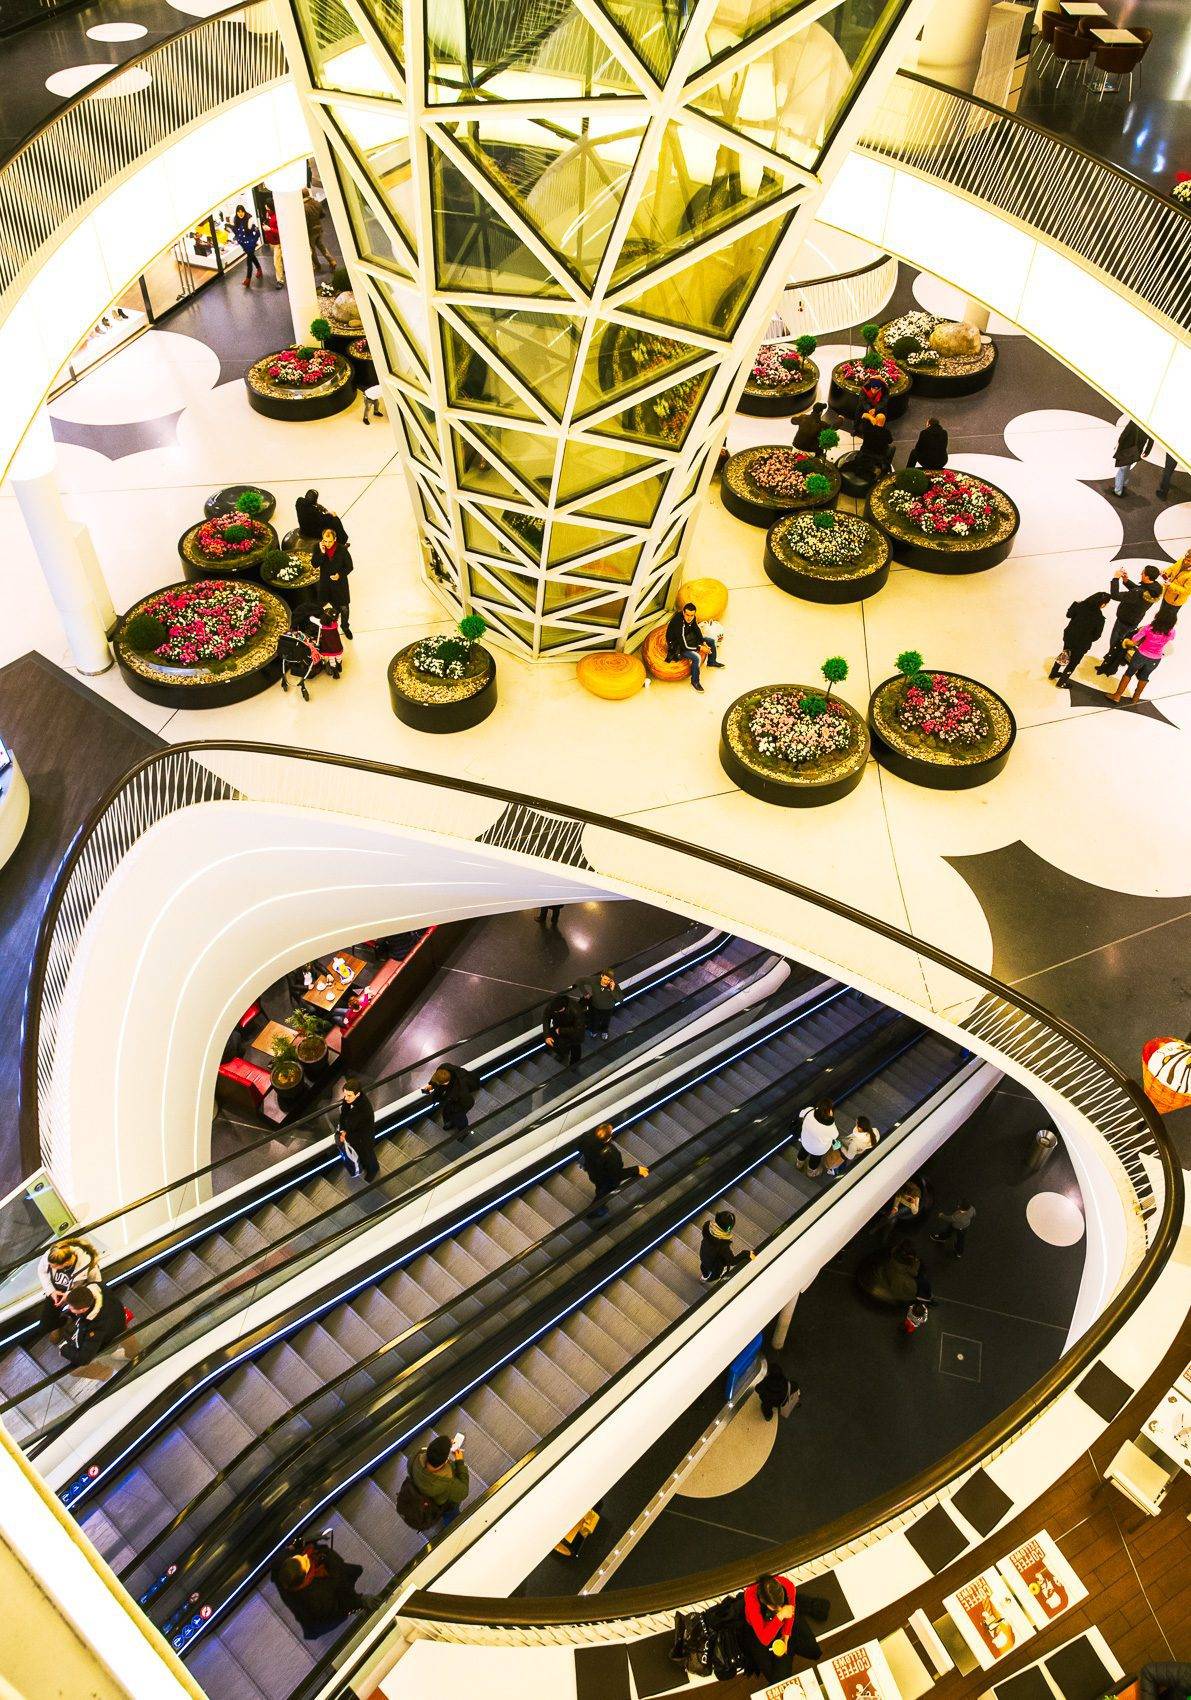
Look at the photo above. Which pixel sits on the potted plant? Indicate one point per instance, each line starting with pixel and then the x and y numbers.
pixel 447 682
pixel 939 729
pixel 825 556
pixel 783 378
pixel 288 1079
pixel 311 1049
pixel 794 746
pixel 849 379
pixel 289 572
pixel 320 330
pixel 234 543
pixel 946 356
pixel 760 483
pixel 201 644
pixel 944 522
pixel 309 381
pixel 251 499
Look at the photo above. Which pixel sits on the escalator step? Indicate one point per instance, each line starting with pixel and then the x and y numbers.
pixel 222 1676
pixel 262 1640
pixel 499 1419
pixel 216 1430
pixel 516 1391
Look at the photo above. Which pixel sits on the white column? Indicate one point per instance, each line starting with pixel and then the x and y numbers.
pixel 953 41
pixel 781 1327
pixel 64 551
pixel 295 249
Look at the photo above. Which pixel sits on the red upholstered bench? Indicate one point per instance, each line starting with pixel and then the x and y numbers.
pixel 241 1085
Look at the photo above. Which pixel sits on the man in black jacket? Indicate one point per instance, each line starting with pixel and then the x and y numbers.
pixel 563 1028
pixel 930 451
pixel 319 1587
pixel 95 1318
pixel 1133 603
pixel 313 518
pixel 357 1126
pixel 717 1257
pixel 685 641
pixel 453 1091
pixel 1133 444
pixel 605 1167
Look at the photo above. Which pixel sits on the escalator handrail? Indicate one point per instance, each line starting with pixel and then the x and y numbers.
pixel 377 1189
pixel 870 1022
pixel 473 1041
pixel 776 1122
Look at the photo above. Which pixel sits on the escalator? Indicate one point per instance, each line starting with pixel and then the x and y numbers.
pixel 197 1274
pixel 511 1356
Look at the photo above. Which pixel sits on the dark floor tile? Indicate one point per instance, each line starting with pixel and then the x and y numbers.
pixel 602 1673
pixel 937 1539
pixel 1105 1392
pixel 116 441
pixel 1026 1685
pixel 828 1588
pixel 1078 1671
pixel 654 1672
pixel 1099 695
pixel 981 1502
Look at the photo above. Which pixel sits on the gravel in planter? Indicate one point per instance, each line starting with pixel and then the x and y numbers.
pixel 851 548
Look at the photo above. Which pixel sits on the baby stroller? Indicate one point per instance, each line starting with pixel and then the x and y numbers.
pixel 300 660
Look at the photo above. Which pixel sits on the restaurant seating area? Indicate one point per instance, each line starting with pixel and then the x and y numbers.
pixel 1080 38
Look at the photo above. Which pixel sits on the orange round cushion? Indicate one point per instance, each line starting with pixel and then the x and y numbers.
pixel 653 653
pixel 611 675
pixel 709 596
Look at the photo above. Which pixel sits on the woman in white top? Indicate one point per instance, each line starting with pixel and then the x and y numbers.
pixel 816 1136
pixel 861 1139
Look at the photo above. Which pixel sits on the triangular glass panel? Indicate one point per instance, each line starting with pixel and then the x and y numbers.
pixel 483 585
pixel 621 359
pixel 586 467
pixel 526 530
pixel 529 453
pixel 786 98
pixel 474 249
pixel 522 590
pixel 653 29
pixel 635 505
pixel 565 177
pixel 415 441
pixel 569 599
pixel 615 568
pixel 482 538
pixel 544 51
pixel 406 350
pixel 372 239
pixel 378 140
pixel 336 52
pixel 736 21
pixel 698 186
pixel 539 348
pixel 518 629
pixel 713 294
pixel 569 541
pixel 389 18
pixel 473 383
pixel 474 471
pixel 692 481
pixel 664 419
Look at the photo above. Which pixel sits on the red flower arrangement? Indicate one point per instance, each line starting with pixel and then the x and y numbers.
pixel 776 367
pixel 230 534
pixel 954 504
pixel 205 622
pixel 856 372
pixel 301 368
pixel 938 707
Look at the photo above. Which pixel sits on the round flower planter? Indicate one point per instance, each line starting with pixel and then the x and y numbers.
pixel 197 565
pixel 757 504
pixel 296 590
pixel 343 316
pixel 925 760
pixel 300 401
pixel 800 572
pixel 779 399
pixel 247 671
pixel 944 552
pixel 805 785
pixel 430 704
pixel 227 501
pixel 951 374
pixel 845 397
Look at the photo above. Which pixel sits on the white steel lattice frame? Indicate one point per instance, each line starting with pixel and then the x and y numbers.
pixel 424 416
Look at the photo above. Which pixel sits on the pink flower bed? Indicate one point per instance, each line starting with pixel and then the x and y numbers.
pixel 955 505
pixel 206 621
pixel 944 711
pixel 212 540
pixel 776 368
pixel 856 372
pixel 783 472
pixel 301 368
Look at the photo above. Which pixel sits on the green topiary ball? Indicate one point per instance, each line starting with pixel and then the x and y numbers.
pixel 320 328
pixel 825 520
pixel 909 662
pixel 144 633
pixel 813 705
pixel 869 333
pixel 806 345
pixel 828 438
pixel 817 485
pixel 251 503
pixel 913 480
pixel 340 280
pixel 834 669
pixel 906 345
pixel 236 533
pixel 473 627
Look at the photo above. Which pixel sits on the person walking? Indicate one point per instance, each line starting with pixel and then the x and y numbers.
pixel 1150 644
pixel 1133 444
pixel 563 1028
pixel 94 1317
pixel 67 1264
pixel 548 914
pixel 246 235
pixel 807 427
pixel 439 1474
pixel 356 1133
pixel 956 1223
pixel 916 1317
pixel 332 557
pixel 272 238
pixel 816 1136
pixel 315 212
pixel 603 1000
pixel 1133 601
pixel 717 1257
pixel 603 1163
pixel 777 1393
pixel 318 1587
pixel 930 451
pixel 313 518
pixel 685 641
pixel 452 1090
pixel 1085 622
pixel 1167 478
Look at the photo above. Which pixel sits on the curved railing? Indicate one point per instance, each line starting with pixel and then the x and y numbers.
pixel 822 305
pixel 994 1019
pixel 1112 222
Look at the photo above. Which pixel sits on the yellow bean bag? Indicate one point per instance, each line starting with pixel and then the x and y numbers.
pixel 612 675
pixel 709 596
pixel 653 653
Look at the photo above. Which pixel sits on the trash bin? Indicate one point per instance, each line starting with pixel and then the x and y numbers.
pixel 1042 1149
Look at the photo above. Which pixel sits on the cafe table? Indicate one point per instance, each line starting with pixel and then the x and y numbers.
pixel 1082 9
pixel 331 985
pixel 1169 1429
pixel 1041 1580
pixel 1117 38
pixel 270 1031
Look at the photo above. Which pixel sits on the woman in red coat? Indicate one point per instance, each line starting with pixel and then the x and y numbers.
pixel 778 1629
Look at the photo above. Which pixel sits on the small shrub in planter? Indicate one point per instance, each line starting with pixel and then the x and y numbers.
pixel 447 655
pixel 806 346
pixel 251 503
pixel 817 484
pixel 311 1048
pixel 340 280
pixel 914 480
pixel 145 633
pixel 320 330
pixel 828 438
pixel 835 671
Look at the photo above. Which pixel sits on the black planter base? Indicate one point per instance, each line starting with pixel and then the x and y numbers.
pixel 942 385
pixel 220 693
pixel 935 560
pixel 775 403
pixel 814 587
pixel 802 796
pixel 755 511
pixel 448 716
pixel 935 776
pixel 227 501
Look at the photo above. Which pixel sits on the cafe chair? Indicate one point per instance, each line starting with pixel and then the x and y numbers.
pixel 1071 48
pixel 1139 1477
pixel 1115 65
pixel 1046 37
